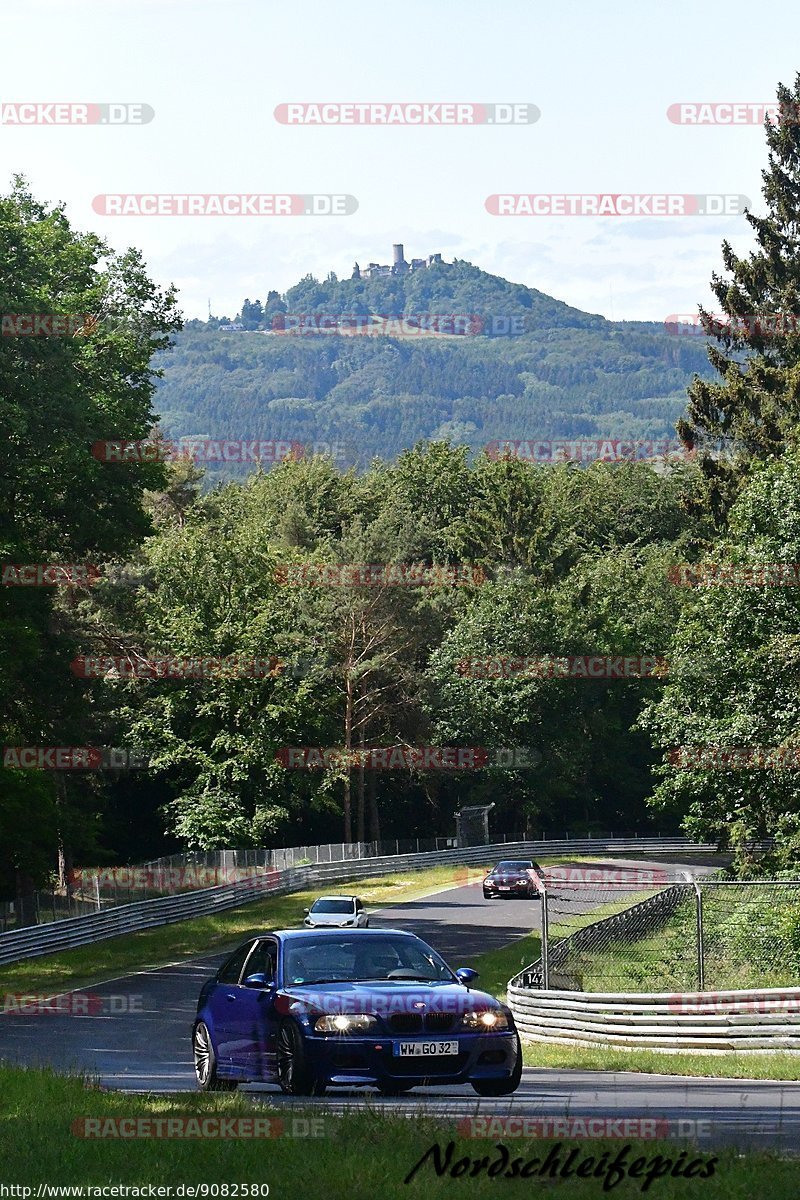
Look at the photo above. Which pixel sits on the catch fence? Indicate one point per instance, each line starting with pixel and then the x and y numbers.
pixel 633 930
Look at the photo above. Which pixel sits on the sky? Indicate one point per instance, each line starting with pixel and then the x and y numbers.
pixel 602 76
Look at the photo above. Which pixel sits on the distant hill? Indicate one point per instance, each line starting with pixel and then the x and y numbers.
pixel 527 367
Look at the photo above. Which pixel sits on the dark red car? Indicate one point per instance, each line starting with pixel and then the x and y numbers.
pixel 510 878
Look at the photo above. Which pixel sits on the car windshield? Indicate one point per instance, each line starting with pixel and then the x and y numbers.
pixel 332 906
pixel 513 866
pixel 350 960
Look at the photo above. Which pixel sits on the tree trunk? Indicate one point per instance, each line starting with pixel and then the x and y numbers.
pixel 360 798
pixel 65 861
pixel 374 821
pixel 348 741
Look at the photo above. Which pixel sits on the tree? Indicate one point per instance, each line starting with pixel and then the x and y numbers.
pixel 59 503
pixel 733 684
pixel 752 411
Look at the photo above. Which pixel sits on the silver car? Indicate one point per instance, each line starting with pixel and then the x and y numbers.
pixel 345 912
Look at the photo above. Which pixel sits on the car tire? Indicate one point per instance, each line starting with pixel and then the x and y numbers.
pixel 366 923
pixel 392 1088
pixel 294 1073
pixel 501 1087
pixel 486 896
pixel 205 1062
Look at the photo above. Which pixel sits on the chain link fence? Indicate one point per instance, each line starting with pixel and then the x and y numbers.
pixel 633 931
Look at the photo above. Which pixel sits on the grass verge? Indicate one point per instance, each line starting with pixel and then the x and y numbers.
pixel 358 1157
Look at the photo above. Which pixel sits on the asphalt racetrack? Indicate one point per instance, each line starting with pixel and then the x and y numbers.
pixel 133 1034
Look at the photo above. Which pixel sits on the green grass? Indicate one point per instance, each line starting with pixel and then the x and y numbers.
pixel 358 1157
pixel 117 956
pixel 711 1066
pixel 496 967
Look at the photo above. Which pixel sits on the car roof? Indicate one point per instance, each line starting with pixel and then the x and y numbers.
pixel 330 934
pixel 518 862
pixel 337 897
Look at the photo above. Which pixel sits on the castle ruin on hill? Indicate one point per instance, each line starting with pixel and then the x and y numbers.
pixel 399 266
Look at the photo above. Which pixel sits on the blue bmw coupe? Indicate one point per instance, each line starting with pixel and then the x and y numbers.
pixel 313 1009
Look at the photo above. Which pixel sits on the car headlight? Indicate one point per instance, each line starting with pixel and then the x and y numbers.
pixel 488 1021
pixel 345 1023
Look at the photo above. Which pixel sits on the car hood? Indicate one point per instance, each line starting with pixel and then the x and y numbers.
pixel 385 999
pixel 330 918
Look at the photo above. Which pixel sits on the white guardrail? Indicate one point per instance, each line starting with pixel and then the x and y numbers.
pixel 34 940
pixel 748 1021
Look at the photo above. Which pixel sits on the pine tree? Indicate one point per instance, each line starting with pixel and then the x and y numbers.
pixel 753 410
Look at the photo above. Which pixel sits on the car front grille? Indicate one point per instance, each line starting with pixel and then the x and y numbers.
pixel 439 1022
pixel 405 1023
pixel 435 1022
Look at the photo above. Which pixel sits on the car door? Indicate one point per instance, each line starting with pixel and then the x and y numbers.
pixel 256 1019
pixel 225 1008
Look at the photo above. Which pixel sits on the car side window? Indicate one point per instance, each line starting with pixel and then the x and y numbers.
pixel 263 960
pixel 232 969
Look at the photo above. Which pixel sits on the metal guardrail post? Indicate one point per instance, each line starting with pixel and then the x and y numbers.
pixel 545 940
pixel 701 966
pixel 545 923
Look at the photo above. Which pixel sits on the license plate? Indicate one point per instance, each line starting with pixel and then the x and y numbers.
pixel 505 888
pixel 424 1049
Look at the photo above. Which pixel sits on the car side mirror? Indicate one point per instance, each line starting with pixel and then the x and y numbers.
pixel 258 980
pixel 306 911
pixel 466 975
